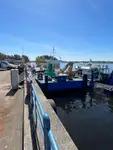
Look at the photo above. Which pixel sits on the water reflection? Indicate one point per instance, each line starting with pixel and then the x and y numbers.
pixel 83 100
pixel 88 114
pixel 75 102
pixel 91 97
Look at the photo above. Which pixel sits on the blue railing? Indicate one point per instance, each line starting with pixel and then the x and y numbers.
pixel 44 119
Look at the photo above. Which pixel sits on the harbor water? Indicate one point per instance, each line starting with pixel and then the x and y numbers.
pixel 110 66
pixel 88 119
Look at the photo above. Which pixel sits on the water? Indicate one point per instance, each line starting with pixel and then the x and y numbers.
pixel 88 119
pixel 62 65
pixel 110 66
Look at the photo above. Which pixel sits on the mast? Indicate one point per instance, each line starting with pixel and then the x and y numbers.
pixel 53 51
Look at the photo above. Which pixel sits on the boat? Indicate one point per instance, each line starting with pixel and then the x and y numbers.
pixel 50 81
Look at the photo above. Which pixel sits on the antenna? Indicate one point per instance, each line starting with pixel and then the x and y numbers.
pixel 53 51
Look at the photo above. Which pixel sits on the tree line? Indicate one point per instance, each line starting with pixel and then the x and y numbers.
pixel 14 57
pixel 43 58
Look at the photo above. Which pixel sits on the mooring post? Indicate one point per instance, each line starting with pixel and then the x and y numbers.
pixel 46 79
pixel 46 83
pixel 92 79
pixel 46 122
pixel 85 80
pixel 14 79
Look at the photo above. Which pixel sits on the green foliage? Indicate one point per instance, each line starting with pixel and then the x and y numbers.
pixel 14 57
pixel 41 59
pixel 25 58
pixel 2 56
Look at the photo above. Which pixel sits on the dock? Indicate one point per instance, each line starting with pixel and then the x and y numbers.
pixel 11 114
pixel 27 118
pixel 20 124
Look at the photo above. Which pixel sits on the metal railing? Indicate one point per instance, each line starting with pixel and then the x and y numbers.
pixel 44 119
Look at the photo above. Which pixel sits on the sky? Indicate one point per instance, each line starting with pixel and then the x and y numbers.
pixel 78 29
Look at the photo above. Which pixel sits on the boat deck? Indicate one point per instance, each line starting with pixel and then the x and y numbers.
pixel 54 81
pixel 54 85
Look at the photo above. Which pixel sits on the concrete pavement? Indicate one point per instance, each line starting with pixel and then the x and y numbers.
pixel 11 114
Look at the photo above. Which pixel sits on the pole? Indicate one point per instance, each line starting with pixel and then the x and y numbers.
pixel 46 121
pixel 53 51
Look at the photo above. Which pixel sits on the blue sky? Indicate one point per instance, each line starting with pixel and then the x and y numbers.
pixel 78 29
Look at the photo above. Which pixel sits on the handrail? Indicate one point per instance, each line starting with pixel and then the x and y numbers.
pixel 44 119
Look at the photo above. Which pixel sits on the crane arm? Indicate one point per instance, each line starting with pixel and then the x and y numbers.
pixel 70 65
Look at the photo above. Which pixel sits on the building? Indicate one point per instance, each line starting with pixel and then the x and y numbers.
pixel 45 64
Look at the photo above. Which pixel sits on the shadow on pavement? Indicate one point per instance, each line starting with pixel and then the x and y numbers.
pixel 11 92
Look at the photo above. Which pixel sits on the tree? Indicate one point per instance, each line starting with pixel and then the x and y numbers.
pixel 43 58
pixel 25 58
pixel 2 56
pixel 40 59
pixel 14 57
pixel 17 57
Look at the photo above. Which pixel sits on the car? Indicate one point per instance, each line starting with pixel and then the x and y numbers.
pixel 6 65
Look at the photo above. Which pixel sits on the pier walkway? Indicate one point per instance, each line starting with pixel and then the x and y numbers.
pixel 11 114
pixel 20 124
